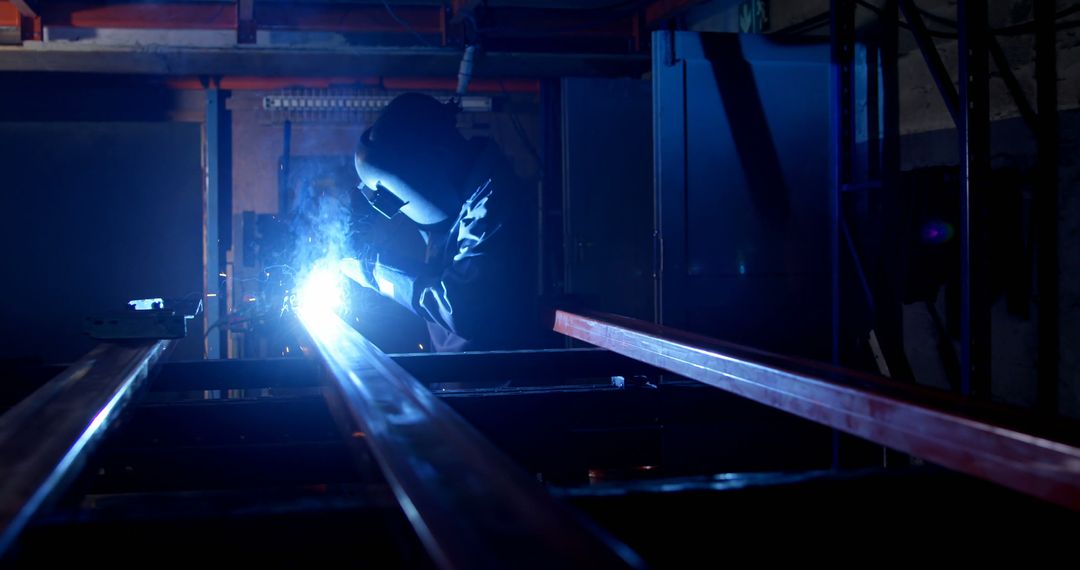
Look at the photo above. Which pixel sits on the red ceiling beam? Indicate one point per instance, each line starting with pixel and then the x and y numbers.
pixel 20 16
pixel 9 15
pixel 148 16
pixel 224 16
pixel 391 83
pixel 28 8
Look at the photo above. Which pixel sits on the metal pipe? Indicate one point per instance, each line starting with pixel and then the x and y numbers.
pixel 470 505
pixel 973 134
pixel 45 438
pixel 921 422
pixel 842 38
pixel 1046 207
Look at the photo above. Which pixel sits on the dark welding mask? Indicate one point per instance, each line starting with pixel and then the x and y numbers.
pixel 383 200
pixel 410 122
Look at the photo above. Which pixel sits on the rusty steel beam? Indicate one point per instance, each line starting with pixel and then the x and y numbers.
pixel 979 441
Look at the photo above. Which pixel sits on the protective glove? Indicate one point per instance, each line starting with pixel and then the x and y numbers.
pixel 361 268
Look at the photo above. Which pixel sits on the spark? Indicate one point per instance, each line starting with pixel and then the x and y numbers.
pixel 323 288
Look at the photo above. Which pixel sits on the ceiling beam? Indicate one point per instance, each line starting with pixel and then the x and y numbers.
pixel 28 8
pixel 267 62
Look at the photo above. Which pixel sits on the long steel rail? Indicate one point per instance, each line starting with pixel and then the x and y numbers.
pixel 471 506
pixel 46 437
pixel 975 440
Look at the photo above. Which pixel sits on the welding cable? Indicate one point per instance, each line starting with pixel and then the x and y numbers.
pixel 465 70
pixel 404 24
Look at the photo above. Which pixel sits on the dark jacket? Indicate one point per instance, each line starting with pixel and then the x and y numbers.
pixel 476 287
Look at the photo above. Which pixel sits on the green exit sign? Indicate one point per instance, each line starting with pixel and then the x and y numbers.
pixel 753 16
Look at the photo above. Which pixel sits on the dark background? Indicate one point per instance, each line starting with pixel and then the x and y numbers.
pixel 95 213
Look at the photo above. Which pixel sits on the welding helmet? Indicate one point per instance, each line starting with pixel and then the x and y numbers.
pixel 399 154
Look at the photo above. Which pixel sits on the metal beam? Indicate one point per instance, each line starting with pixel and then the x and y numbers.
pixel 469 504
pixel 670 149
pixel 842 50
pixel 1046 207
pixel 973 134
pixel 1012 84
pixel 245 21
pixel 535 367
pixel 933 59
pixel 921 422
pixel 217 209
pixel 45 438
pixel 267 62
pixel 660 10
pixel 28 8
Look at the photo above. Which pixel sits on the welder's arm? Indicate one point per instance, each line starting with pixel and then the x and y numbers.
pixel 463 296
pixel 460 298
pixel 394 279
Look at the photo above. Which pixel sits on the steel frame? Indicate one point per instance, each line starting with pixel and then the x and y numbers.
pixel 469 504
pixel 916 421
pixel 47 436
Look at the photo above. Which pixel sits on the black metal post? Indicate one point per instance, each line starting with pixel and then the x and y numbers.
pixel 670 179
pixel 974 142
pixel 1046 206
pixel 842 38
pixel 895 208
pixel 842 27
pixel 218 215
pixel 550 235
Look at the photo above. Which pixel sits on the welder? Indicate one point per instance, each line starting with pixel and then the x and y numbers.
pixel 474 283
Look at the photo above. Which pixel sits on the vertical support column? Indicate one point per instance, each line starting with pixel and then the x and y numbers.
pixel 842 54
pixel 670 173
pixel 218 216
pixel 551 248
pixel 1046 207
pixel 570 248
pixel 245 21
pixel 842 28
pixel 974 140
pixel 284 168
pixel 895 207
